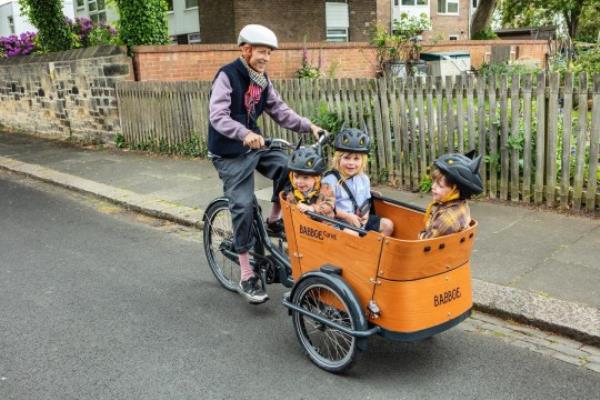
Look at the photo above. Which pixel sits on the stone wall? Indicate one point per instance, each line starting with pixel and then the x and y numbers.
pixel 65 95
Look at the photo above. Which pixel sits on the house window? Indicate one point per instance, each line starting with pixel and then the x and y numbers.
pixel 337 21
pixel 169 5
pixel 191 4
pixel 80 4
pixel 337 35
pixel 194 38
pixel 11 24
pixel 448 7
pixel 413 2
pixel 474 3
pixel 453 37
pixel 97 10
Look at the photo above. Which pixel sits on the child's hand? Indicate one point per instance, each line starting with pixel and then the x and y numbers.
pixel 354 220
pixel 304 208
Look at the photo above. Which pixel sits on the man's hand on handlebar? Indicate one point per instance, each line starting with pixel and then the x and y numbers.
pixel 254 140
pixel 316 131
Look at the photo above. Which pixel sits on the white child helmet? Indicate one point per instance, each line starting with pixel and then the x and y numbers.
pixel 257 35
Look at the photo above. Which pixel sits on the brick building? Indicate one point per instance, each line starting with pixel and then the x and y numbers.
pixel 331 20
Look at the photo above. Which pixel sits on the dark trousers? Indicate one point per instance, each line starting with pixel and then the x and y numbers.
pixel 237 175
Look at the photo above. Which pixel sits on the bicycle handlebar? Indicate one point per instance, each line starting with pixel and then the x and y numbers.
pixel 277 143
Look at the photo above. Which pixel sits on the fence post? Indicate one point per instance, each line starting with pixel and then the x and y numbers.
pixel 449 90
pixel 581 139
pixel 552 139
pixel 494 125
pixel 515 135
pixel 590 201
pixel 540 139
pixel 470 112
pixel 527 138
pixel 387 134
pixel 440 116
pixel 504 155
pixel 481 115
pixel 430 117
pixel 414 176
pixel 422 131
pixel 459 113
pixel 565 180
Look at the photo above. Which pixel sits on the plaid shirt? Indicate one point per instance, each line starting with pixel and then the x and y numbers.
pixel 323 202
pixel 446 218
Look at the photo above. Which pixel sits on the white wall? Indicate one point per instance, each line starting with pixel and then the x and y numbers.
pixel 22 24
pixel 183 20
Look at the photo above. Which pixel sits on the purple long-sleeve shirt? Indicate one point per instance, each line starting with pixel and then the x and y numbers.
pixel 220 118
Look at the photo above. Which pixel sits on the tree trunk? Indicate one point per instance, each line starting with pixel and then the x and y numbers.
pixel 483 15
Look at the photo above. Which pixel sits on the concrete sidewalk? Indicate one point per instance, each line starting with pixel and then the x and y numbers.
pixel 536 266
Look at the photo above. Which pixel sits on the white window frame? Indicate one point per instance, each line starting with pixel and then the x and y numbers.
pixel 457 2
pixel 454 37
pixel 414 3
pixel 172 10
pixel 195 41
pixel 337 37
pixel 11 24
pixel 81 6
pixel 95 14
pixel 192 7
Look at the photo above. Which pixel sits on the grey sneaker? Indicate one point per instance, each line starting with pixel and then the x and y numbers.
pixel 253 292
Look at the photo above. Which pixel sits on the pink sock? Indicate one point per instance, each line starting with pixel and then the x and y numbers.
pixel 246 270
pixel 275 212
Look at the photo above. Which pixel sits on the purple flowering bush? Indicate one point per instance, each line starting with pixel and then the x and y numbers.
pixel 22 45
pixel 84 33
pixel 87 33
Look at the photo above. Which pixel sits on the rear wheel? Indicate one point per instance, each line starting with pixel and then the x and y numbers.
pixel 218 236
pixel 329 348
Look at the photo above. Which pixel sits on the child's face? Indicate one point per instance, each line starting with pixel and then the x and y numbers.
pixel 304 183
pixel 440 189
pixel 351 163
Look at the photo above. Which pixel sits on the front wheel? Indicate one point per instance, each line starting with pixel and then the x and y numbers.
pixel 218 237
pixel 327 347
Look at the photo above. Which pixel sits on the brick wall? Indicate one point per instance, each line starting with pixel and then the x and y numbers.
pixel 292 21
pixel 192 62
pixel 341 60
pixel 66 95
pixel 217 21
pixel 445 25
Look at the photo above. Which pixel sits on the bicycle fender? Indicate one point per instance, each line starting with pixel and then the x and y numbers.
pixel 347 294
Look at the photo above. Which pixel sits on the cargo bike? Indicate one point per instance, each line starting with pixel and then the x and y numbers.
pixel 346 288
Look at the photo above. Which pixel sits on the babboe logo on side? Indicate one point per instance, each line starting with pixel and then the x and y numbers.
pixel 446 297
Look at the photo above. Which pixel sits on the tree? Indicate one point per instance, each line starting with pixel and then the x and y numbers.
pixel 47 16
pixel 569 10
pixel 482 17
pixel 143 22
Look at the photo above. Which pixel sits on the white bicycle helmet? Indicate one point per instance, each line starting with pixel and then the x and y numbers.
pixel 257 35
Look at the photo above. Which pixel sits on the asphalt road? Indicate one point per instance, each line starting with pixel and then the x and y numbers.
pixel 98 303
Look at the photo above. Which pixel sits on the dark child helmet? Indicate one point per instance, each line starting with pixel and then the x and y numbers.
pixel 352 140
pixel 306 160
pixel 463 170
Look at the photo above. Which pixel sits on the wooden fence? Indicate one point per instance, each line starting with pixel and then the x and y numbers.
pixel 539 136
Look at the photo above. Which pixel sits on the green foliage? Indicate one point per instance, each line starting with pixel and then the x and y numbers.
pixel 535 13
pixel 401 44
pixel 509 69
pixel 486 34
pixel 589 24
pixel 192 147
pixel 143 22
pixel 47 16
pixel 425 184
pixel 120 142
pixel 585 60
pixel 326 119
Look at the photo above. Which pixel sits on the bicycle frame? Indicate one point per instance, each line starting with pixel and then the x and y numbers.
pixel 281 260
